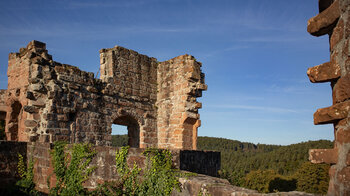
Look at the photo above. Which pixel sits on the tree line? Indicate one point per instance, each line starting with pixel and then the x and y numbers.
pixel 263 167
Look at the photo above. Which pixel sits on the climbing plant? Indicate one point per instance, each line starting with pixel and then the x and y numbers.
pixel 26 184
pixel 158 178
pixel 71 167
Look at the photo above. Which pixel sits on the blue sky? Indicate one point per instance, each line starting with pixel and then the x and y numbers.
pixel 254 53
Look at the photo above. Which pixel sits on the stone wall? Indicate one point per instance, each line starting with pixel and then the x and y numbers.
pixel 334 20
pixel 180 82
pixel 9 160
pixel 48 101
pixel 104 161
pixel 132 79
pixel 3 107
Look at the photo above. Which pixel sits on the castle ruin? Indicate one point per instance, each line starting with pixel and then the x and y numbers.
pixel 48 101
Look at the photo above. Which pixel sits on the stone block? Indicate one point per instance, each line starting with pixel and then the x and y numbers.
pixel 324 73
pixel 332 114
pixel 329 156
pixel 324 21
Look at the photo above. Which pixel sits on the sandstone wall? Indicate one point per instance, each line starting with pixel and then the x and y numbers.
pixel 48 101
pixel 334 20
pixel 104 161
pixel 3 107
pixel 132 79
pixel 180 82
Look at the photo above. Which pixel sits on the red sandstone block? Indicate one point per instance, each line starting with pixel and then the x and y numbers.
pixel 337 34
pixel 341 90
pixel 323 155
pixel 322 23
pixel 343 177
pixel 343 135
pixel 324 73
pixel 332 114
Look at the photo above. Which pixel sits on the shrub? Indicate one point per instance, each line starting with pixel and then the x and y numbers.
pixel 26 184
pixel 268 181
pixel 313 178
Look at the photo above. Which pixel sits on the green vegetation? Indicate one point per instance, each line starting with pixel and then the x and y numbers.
pixel 266 168
pixel 270 168
pixel 26 184
pixel 312 178
pixel 119 140
pixel 158 178
pixel 268 181
pixel 71 168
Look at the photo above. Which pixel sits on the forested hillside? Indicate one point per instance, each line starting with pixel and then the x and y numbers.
pixel 283 168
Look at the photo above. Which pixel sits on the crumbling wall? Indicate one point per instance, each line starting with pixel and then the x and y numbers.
pixel 3 107
pixel 334 20
pixel 180 82
pixel 132 79
pixel 48 101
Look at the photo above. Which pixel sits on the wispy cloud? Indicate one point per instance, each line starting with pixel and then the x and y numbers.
pixel 254 108
pixel 273 39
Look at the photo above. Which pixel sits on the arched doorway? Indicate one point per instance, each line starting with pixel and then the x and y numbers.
pixel 133 129
pixel 13 122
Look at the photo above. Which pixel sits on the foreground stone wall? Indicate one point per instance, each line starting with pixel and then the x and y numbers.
pixel 334 20
pixel 48 101
pixel 104 161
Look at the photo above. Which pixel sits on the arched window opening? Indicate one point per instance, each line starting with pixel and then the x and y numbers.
pixel 14 120
pixel 129 125
pixel 119 135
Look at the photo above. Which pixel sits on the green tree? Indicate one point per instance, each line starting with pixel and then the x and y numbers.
pixel 313 178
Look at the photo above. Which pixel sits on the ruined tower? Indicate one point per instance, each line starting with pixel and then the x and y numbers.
pixel 334 20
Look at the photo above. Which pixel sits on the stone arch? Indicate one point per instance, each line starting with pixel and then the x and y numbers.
pixel 13 120
pixel 189 135
pixel 133 126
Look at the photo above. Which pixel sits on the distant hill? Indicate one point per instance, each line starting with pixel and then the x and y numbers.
pixel 240 158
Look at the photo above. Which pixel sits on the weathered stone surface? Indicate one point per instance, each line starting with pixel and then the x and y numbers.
pixel 329 156
pixel 324 73
pixel 332 114
pixel 206 185
pixel 322 23
pixel 342 135
pixel 131 86
pixel 341 90
pixel 334 20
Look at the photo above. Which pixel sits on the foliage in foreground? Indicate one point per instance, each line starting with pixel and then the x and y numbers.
pixel 158 178
pixel 26 184
pixel 71 168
